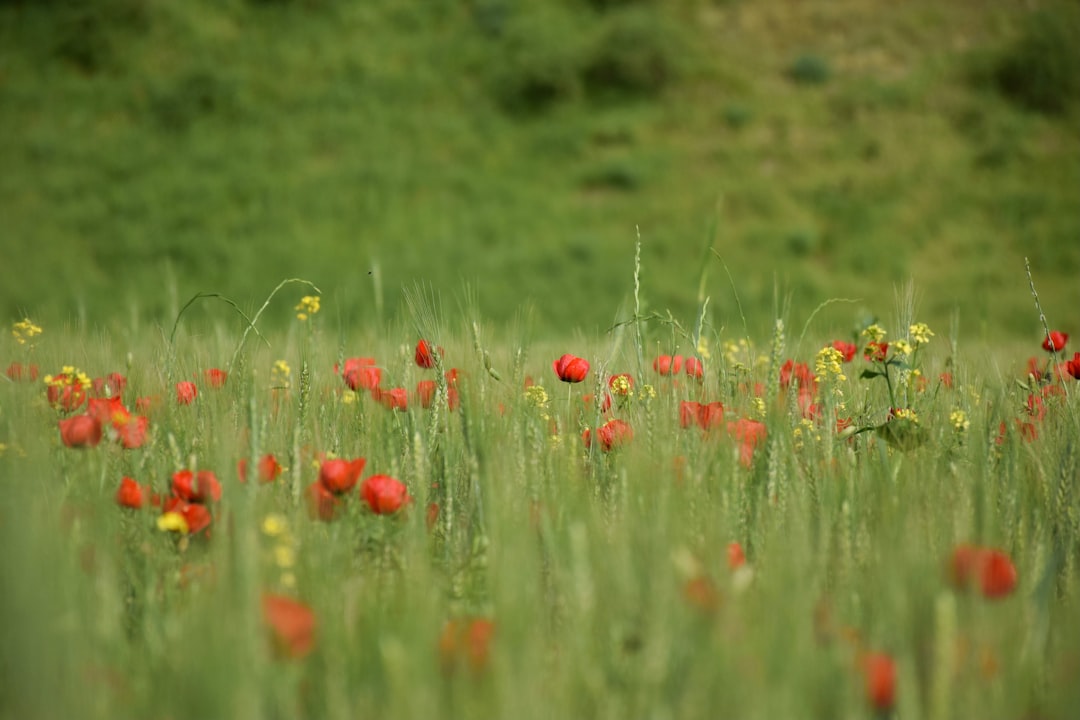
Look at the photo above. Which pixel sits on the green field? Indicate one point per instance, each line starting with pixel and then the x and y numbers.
pixel 153 150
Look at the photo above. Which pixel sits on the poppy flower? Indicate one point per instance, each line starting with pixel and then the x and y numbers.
pixel 68 390
pixel 800 372
pixel 1073 366
pixel 988 569
pixel 570 368
pixel 361 374
pixel 668 364
pixel 613 434
pixel 268 468
pixel 291 624
pixel 111 384
pixel 195 517
pixel 393 399
pixel 384 495
pixel 846 349
pixel 198 487
pixel 131 431
pixel 215 377
pixel 340 476
pixel 129 494
pixel 736 558
pixel 700 592
pixel 186 392
pixel 1055 341
pixel 322 503
pixel 425 355
pixel 466 640
pixel 17 372
pixel 694 368
pixel 688 413
pixel 107 411
pixel 879 671
pixel 80 431
pixel 749 433
pixel 425 392
pixel 876 351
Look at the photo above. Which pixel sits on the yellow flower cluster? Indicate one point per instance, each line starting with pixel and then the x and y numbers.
pixel 901 347
pixel 620 385
pixel 25 330
pixel 959 420
pixel 69 375
pixel 759 407
pixel 735 352
pixel 308 306
pixel 537 396
pixel 279 375
pixel 703 348
pixel 906 414
pixel 875 333
pixel 172 522
pixel 648 392
pixel 276 527
pixel 829 361
pixel 920 334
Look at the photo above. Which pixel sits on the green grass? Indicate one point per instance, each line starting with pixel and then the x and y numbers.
pixel 581 560
pixel 154 151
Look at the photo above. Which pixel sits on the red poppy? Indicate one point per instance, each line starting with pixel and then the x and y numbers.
pixel 129 494
pixel 1055 341
pixel 186 392
pixel 425 392
pixel 846 349
pixel 268 468
pixel 340 476
pixel 613 434
pixel 110 411
pixel 876 351
pixel 694 368
pixel 291 624
pixel 80 431
pixel 749 433
pixel 196 515
pixel 66 392
pixel 736 558
pixel 1036 407
pixel 384 495
pixel 361 374
pixel 432 515
pixel 17 371
pixel 132 431
pixel 880 672
pixel 393 399
pixel 147 403
pixel 425 354
pixel 466 640
pixel 198 487
pixel 989 569
pixel 800 372
pixel 322 503
pixel 570 368
pixel 946 379
pixel 688 413
pixel 215 378
pixel 668 364
pixel 1073 366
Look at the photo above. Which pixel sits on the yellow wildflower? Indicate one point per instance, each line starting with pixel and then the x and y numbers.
pixel 274 525
pixel 172 521
pixel 308 305
pixel 829 361
pixel 959 420
pixel 284 556
pixel 875 332
pixel 537 396
pixel 901 347
pixel 920 334
pixel 25 330
pixel 703 348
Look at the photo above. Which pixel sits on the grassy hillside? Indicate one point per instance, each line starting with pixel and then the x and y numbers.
pixel 152 150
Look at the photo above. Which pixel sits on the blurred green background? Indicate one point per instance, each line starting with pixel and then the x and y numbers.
pixel 154 149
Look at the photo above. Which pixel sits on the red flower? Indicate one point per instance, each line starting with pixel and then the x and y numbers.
pixel 571 369
pixel 196 515
pixel 688 413
pixel 466 640
pixel 18 371
pixel 613 434
pixel 701 592
pixel 424 355
pixel 880 672
pixel 799 371
pixel 109 411
pixel 1036 407
pixel 1073 366
pixel 132 431
pixel 147 403
pixel 394 399
pixel 341 476
pixel 705 415
pixel 66 391
pixel 129 494
pixel 668 364
pixel 269 468
pixel 215 378
pixel 736 558
pixel 425 392
pixel 383 494
pixel 946 379
pixel 185 392
pixel 291 624
pixel 80 431
pixel 623 383
pixel 361 373
pixel 749 433
pixel 1055 341
pixel 846 349
pixel 196 487
pixel 989 569
pixel 111 384
pixel 876 351
pixel 694 368
pixel 322 503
